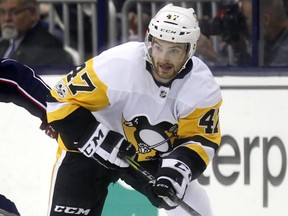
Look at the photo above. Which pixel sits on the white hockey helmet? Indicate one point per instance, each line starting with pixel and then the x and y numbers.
pixel 174 24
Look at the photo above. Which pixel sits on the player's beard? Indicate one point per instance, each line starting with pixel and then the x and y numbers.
pixel 164 72
pixel 9 31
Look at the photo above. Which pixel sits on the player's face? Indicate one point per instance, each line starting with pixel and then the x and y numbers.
pixel 168 58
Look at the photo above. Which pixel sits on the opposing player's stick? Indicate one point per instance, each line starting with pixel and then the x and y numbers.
pixel 152 180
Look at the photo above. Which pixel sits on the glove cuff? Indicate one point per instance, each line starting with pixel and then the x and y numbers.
pixel 96 135
pixel 176 167
pixel 173 174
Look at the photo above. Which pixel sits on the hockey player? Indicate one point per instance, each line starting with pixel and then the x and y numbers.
pixel 7 207
pixel 154 102
pixel 20 85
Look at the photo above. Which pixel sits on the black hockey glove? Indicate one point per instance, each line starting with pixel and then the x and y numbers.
pixel 105 145
pixel 173 175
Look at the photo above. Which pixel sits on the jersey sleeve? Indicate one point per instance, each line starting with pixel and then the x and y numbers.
pixel 73 99
pixel 199 137
pixel 20 85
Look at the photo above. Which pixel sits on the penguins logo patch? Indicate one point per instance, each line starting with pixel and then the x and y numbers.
pixel 151 137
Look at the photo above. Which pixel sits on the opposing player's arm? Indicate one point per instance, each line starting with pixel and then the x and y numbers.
pixel 20 85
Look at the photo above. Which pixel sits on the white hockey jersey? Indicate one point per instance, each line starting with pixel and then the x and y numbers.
pixel 117 87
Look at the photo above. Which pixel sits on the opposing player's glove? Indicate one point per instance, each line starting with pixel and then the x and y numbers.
pixel 174 176
pixel 105 145
pixel 49 130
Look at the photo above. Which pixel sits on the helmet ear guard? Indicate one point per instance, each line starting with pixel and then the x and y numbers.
pixel 174 24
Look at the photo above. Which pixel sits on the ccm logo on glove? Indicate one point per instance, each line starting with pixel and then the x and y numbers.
pixel 104 144
pixel 91 145
pixel 174 175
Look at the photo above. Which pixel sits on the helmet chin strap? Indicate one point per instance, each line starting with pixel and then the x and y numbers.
pixel 189 55
pixel 184 65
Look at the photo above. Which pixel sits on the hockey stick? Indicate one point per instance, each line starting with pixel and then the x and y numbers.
pixel 152 179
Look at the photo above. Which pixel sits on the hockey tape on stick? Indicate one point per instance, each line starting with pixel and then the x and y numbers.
pixel 152 180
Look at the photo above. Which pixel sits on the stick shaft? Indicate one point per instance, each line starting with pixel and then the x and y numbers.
pixel 152 179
